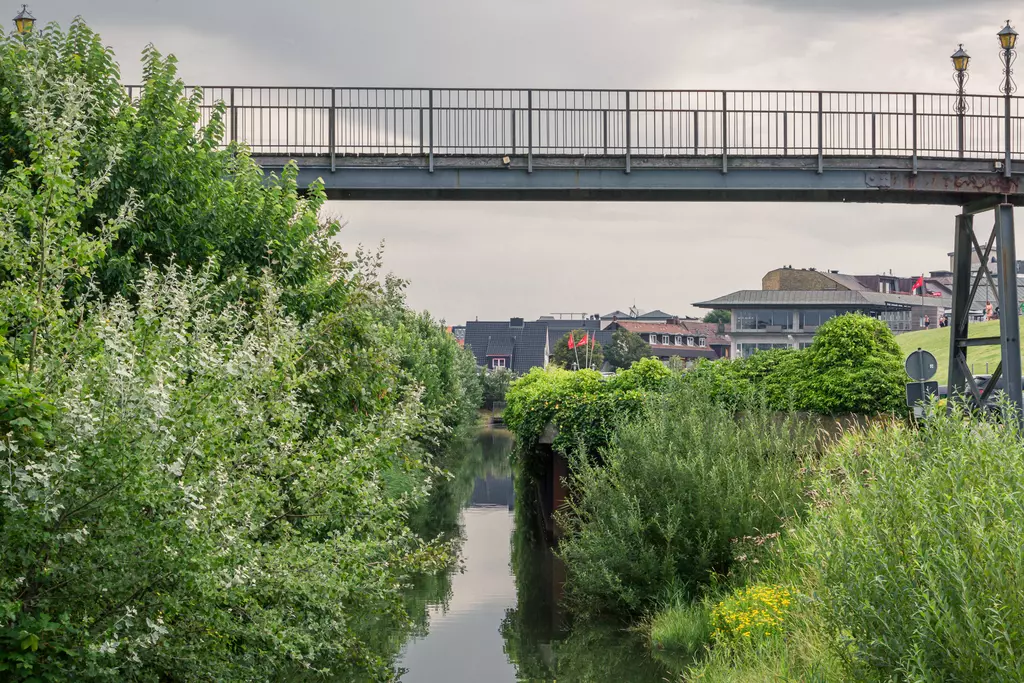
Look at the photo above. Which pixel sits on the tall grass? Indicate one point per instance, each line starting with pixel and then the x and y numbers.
pixel 918 551
pixel 659 510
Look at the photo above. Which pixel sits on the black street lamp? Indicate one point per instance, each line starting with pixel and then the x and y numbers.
pixel 24 21
pixel 1007 41
pixel 960 61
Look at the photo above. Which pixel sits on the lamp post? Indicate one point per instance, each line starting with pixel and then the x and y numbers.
pixel 24 21
pixel 960 61
pixel 1007 41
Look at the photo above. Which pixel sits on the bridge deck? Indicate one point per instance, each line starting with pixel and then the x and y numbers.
pixel 654 178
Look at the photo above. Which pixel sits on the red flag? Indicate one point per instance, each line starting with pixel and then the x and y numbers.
pixel 919 283
pixel 572 344
pixel 583 341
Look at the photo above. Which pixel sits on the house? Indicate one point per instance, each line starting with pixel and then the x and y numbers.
pixel 459 332
pixel 793 303
pixel 670 339
pixel 514 344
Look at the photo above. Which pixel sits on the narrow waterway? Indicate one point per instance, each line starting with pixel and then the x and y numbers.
pixel 496 617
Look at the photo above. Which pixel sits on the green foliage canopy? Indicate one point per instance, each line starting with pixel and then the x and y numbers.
pixel 564 357
pixel 626 348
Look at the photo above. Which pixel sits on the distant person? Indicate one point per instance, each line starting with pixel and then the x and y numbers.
pixel 988 310
pixel 927 322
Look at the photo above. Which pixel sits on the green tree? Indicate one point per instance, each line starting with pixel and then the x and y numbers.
pixel 626 348
pixel 568 358
pixel 214 425
pixel 718 316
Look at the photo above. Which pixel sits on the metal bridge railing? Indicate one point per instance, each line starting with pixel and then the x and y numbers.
pixel 419 121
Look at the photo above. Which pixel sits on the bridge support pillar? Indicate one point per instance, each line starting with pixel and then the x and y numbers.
pixel 961 381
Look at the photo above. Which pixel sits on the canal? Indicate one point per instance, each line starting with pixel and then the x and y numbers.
pixel 496 616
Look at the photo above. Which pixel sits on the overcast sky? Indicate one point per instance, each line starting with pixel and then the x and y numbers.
pixel 496 260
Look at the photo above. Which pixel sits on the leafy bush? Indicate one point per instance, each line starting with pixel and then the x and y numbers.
pixel 671 494
pixel 853 366
pixel 626 348
pixel 916 550
pixel 208 471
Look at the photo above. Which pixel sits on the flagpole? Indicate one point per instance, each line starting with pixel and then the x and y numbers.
pixel 575 349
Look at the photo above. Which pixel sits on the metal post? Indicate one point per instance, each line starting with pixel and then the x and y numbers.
pixel 604 128
pixel 821 133
pixel 874 138
pixel 430 130
pixel 331 129
pixel 959 318
pixel 233 117
pixel 1006 117
pixel 1009 324
pixel 629 134
pixel 913 118
pixel 529 131
pixel 785 134
pixel 696 132
pixel 725 132
pixel 513 132
pixel 421 129
pixel 961 109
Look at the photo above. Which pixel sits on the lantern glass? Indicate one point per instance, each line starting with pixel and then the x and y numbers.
pixel 24 21
pixel 961 59
pixel 1007 37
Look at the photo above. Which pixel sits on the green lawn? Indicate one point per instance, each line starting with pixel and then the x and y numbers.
pixel 937 341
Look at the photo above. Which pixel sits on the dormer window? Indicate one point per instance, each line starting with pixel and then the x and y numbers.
pixel 664 339
pixel 702 341
pixel 689 341
pixel 654 339
pixel 679 340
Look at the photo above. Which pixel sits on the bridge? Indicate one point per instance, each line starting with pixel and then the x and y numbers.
pixel 664 145
pixel 634 145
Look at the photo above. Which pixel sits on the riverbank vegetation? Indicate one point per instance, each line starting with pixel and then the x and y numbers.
pixel 218 432
pixel 714 514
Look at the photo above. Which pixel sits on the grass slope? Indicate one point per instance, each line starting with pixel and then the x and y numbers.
pixel 937 341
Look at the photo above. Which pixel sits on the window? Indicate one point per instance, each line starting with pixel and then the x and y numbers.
pixel 805 345
pixel 702 341
pixel 679 340
pixel 816 318
pixel 664 339
pixel 654 339
pixel 497 362
pixel 763 319
pixel 689 341
pixel 898 321
pixel 748 350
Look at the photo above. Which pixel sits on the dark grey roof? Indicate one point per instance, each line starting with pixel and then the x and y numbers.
pixel 655 315
pixel 615 314
pixel 500 346
pixel 531 348
pixel 759 297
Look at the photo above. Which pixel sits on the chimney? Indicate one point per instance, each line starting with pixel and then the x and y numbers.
pixel 721 328
pixel 515 322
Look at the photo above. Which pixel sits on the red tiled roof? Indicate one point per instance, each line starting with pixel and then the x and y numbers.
pixel 709 330
pixel 658 328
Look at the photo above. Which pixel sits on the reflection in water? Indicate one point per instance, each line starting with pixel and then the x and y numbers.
pixel 496 617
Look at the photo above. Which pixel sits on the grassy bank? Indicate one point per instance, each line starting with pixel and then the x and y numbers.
pixel 937 342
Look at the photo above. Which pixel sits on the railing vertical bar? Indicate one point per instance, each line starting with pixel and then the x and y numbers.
pixel 629 139
pixel 874 141
pixel 331 133
pixel 529 130
pixel 725 132
pixel 430 129
pixel 785 133
pixel 821 133
pixel 604 126
pixel 696 132
pixel 913 109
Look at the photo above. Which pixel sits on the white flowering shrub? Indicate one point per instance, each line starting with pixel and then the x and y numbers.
pixel 210 473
